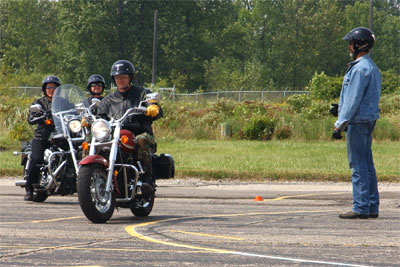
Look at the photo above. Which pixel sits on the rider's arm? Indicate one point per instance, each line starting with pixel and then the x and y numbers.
pixel 102 111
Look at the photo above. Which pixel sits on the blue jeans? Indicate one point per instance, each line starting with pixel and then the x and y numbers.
pixel 359 154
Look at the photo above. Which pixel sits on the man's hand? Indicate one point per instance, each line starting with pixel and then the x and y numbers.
pixel 336 134
pixel 152 111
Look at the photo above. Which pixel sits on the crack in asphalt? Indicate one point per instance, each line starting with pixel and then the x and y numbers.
pixel 73 245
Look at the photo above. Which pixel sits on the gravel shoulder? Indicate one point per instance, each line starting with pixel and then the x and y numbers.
pixel 234 185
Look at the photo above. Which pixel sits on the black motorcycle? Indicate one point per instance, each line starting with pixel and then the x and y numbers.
pixel 70 114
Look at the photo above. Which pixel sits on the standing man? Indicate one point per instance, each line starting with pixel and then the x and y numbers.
pixel 44 128
pixel 358 112
pixel 128 96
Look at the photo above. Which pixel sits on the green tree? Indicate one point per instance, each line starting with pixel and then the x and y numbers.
pixel 29 29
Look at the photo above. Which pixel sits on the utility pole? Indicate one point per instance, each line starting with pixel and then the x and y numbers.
pixel 370 14
pixel 154 68
pixel 370 23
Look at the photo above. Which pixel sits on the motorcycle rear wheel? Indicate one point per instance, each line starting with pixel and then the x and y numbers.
pixel 140 210
pixel 97 204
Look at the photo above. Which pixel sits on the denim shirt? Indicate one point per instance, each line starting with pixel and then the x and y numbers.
pixel 361 90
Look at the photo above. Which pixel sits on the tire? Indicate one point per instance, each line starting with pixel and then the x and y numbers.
pixel 97 205
pixel 138 208
pixel 40 196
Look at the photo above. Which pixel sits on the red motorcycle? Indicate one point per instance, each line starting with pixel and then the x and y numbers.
pixel 110 175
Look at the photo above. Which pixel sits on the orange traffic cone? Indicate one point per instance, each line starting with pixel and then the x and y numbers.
pixel 258 198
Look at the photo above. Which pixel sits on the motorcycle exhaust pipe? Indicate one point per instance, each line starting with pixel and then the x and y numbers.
pixel 20 183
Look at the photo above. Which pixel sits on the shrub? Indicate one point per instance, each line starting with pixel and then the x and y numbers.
pixel 283 132
pixel 390 82
pixel 323 87
pixel 298 102
pixel 316 110
pixel 259 128
pixel 389 103
pixel 21 132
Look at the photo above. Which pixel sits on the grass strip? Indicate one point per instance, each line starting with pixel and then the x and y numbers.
pixel 259 160
pixel 275 160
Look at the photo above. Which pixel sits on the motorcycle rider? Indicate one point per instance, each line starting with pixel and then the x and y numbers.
pixel 44 128
pixel 117 103
pixel 95 85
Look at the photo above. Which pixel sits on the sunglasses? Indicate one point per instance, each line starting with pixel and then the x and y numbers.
pixel 121 77
pixel 51 87
pixel 96 84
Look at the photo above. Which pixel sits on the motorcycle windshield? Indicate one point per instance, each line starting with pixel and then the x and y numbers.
pixel 68 101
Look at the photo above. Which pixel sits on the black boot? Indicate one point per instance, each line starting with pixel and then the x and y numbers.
pixel 29 195
pixel 147 189
pixel 147 185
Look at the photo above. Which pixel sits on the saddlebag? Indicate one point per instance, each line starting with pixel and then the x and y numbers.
pixel 163 166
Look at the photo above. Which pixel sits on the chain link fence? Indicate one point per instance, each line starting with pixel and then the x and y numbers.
pixel 170 94
pixel 28 91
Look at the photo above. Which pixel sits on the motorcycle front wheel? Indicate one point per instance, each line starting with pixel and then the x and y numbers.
pixel 96 203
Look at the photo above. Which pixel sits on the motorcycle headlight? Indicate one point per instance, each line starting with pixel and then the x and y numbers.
pixel 101 129
pixel 75 126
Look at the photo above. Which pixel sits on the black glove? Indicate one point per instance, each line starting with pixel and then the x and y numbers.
pixel 334 110
pixel 94 109
pixel 336 134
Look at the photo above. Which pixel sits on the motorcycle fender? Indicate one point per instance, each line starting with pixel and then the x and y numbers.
pixel 94 159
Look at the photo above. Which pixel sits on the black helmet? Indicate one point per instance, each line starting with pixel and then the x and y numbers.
pixel 94 79
pixel 362 38
pixel 122 67
pixel 50 79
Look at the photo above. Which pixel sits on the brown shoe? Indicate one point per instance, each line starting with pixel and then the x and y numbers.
pixel 353 215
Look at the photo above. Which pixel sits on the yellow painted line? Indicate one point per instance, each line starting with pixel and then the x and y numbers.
pixel 59 219
pixel 43 221
pixel 131 229
pixel 133 232
pixel 265 213
pixel 127 249
pixel 208 235
pixel 104 249
pixel 305 195
pixel 27 247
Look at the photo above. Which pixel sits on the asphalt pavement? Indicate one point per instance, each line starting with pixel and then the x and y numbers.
pixel 205 223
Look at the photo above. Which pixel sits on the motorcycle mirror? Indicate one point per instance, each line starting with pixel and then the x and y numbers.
pixel 36 108
pixel 95 101
pixel 80 107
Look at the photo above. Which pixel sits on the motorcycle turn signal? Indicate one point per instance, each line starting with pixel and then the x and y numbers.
pixel 85 145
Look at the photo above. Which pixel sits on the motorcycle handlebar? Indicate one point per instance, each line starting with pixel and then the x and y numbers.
pixel 132 111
